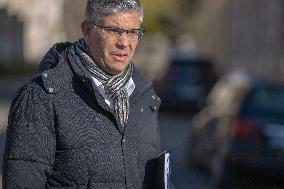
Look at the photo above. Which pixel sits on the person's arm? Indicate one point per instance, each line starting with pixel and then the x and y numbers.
pixel 30 145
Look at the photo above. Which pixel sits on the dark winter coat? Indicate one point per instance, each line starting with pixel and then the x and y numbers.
pixel 62 134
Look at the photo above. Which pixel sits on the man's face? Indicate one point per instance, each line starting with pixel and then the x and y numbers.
pixel 113 51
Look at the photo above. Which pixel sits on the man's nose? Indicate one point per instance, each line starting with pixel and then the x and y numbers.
pixel 122 41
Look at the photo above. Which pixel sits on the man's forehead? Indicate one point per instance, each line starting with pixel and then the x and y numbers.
pixel 122 17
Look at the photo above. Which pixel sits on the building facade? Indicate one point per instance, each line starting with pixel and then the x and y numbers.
pixel 37 24
pixel 244 33
pixel 254 36
pixel 11 34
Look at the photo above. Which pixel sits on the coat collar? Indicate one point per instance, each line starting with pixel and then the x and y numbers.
pixel 59 74
pixel 57 70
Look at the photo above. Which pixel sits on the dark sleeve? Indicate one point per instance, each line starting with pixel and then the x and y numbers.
pixel 155 109
pixel 30 143
pixel 158 141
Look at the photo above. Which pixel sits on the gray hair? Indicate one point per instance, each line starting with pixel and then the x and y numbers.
pixel 97 9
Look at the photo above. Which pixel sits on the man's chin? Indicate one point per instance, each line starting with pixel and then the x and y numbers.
pixel 119 67
pixel 115 71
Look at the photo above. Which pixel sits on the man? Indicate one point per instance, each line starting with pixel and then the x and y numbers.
pixel 88 120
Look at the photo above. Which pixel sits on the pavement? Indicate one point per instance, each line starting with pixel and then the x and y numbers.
pixel 4 110
pixel 175 131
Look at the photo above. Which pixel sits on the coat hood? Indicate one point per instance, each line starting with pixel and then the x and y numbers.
pixel 51 58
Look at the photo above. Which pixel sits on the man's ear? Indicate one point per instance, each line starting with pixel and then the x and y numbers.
pixel 86 29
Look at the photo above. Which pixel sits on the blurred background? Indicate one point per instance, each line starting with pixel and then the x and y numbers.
pixel 217 65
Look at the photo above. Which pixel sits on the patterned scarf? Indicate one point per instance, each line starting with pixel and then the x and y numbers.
pixel 79 54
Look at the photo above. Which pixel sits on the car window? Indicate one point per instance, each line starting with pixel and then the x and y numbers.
pixel 264 101
pixel 191 71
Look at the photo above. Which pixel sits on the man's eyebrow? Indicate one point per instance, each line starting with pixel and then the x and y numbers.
pixel 117 27
pixel 111 26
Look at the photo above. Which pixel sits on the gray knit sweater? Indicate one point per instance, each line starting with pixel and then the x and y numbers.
pixel 62 134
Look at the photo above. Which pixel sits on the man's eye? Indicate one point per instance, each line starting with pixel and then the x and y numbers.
pixel 111 30
pixel 134 32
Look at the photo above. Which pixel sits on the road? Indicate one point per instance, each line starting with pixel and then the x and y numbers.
pixel 175 135
pixel 174 128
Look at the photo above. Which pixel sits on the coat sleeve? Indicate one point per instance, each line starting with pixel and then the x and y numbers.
pixel 30 143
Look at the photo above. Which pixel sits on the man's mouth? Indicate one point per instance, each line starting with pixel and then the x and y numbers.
pixel 120 57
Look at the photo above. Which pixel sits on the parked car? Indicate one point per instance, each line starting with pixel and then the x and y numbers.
pixel 187 83
pixel 248 140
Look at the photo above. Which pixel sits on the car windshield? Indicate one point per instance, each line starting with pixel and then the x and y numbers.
pixel 264 101
pixel 191 71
